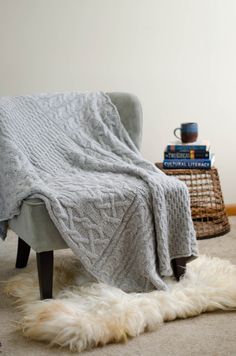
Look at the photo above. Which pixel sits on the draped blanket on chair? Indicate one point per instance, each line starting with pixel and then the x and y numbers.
pixel 123 218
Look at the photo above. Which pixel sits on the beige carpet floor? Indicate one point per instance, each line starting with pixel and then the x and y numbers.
pixel 212 334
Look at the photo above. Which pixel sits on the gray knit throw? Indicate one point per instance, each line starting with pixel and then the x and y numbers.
pixel 122 217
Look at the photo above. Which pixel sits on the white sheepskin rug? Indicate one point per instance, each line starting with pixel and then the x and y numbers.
pixel 85 314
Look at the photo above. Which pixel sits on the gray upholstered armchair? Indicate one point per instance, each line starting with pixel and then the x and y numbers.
pixel 36 230
pixel 34 226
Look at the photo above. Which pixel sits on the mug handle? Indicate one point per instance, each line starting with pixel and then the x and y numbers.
pixel 178 128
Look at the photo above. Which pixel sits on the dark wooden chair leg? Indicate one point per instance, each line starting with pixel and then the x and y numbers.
pixel 23 251
pixel 179 266
pixel 45 273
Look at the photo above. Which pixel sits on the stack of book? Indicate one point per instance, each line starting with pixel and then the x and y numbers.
pixel 195 155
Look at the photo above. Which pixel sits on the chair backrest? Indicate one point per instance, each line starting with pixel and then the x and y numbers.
pixel 130 111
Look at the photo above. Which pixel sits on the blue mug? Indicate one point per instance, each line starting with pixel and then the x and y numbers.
pixel 188 132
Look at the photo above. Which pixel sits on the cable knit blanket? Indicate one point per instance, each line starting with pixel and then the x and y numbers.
pixel 122 217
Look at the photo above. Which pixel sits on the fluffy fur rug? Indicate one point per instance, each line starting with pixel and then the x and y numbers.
pixel 85 314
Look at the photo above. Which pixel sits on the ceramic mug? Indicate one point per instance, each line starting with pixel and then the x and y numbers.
pixel 188 132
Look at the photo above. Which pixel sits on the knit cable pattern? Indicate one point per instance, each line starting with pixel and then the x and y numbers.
pixel 122 217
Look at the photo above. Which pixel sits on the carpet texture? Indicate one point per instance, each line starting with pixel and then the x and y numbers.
pixel 209 334
pixel 94 314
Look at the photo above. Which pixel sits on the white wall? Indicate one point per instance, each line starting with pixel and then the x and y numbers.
pixel 178 56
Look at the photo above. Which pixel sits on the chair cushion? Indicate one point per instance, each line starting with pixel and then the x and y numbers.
pixel 36 228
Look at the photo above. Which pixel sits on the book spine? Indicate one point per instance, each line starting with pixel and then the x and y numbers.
pixel 186 148
pixel 187 163
pixel 186 155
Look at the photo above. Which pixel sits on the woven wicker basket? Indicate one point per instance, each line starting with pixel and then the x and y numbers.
pixel 207 204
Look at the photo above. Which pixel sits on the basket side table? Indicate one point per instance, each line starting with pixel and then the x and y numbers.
pixel 207 204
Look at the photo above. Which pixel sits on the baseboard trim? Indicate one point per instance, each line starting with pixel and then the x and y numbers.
pixel 230 209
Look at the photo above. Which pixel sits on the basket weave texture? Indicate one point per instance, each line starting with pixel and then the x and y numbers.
pixel 207 204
